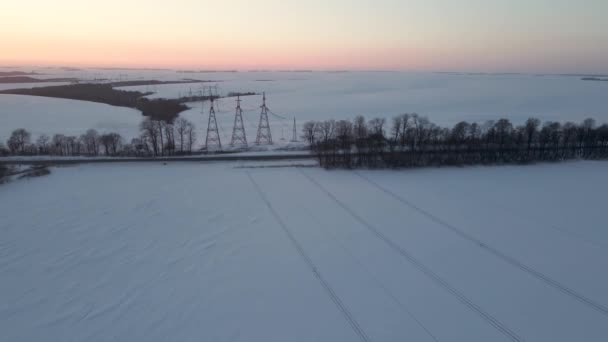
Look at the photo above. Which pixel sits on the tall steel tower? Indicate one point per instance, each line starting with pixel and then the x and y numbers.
pixel 295 132
pixel 238 131
pixel 213 134
pixel 264 133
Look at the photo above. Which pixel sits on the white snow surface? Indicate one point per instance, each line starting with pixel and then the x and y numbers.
pixel 444 98
pixel 218 252
pixel 45 115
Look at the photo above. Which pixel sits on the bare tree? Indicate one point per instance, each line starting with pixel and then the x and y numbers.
pixel 169 136
pixel 326 130
pixel 150 134
pixel 308 132
pixel 43 144
pixel 344 133
pixel 159 128
pixel 58 144
pixel 359 127
pixel 376 126
pixel 181 126
pixel 504 128
pixel 91 142
pixel 396 128
pixel 460 132
pixel 72 145
pixel 532 125
pixel 18 140
pixel 111 143
pixel 190 136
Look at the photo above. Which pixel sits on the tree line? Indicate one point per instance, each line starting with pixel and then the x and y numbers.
pixel 410 140
pixel 156 138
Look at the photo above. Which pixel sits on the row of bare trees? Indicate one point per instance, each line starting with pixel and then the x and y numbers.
pixel 162 138
pixel 157 138
pixel 411 140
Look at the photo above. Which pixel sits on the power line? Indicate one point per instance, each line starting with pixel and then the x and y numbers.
pixel 277 115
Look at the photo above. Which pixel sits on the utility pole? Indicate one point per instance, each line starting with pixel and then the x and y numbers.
pixel 295 132
pixel 264 134
pixel 238 131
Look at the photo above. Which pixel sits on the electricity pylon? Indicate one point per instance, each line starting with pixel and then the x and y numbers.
pixel 238 131
pixel 264 133
pixel 213 134
pixel 295 132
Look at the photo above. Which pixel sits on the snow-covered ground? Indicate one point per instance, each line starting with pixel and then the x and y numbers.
pixel 444 98
pixel 43 115
pixel 233 252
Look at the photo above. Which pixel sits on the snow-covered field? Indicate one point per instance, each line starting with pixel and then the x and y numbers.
pixel 444 98
pixel 223 252
pixel 43 115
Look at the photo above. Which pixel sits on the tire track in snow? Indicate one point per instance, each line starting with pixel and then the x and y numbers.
pixel 332 294
pixel 501 327
pixel 510 260
pixel 385 289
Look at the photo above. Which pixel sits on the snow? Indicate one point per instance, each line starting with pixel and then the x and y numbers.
pixel 230 251
pixel 43 115
pixel 444 98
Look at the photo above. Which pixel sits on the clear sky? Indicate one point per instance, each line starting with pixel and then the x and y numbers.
pixel 471 35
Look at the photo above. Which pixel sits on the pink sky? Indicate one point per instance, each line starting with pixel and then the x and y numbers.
pixel 501 35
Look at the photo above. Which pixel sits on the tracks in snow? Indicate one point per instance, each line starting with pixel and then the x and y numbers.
pixel 510 260
pixel 332 294
pixel 501 327
pixel 379 283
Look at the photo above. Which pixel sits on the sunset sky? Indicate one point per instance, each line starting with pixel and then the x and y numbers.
pixel 472 35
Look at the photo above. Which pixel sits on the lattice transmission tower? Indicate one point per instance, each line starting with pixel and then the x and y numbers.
pixel 264 133
pixel 213 134
pixel 239 137
pixel 295 132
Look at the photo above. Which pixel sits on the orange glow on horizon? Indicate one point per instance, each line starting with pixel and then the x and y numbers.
pixel 502 35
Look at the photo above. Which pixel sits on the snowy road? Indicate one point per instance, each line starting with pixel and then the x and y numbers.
pixel 224 252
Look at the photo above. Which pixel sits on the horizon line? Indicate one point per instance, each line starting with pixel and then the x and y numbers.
pixel 303 70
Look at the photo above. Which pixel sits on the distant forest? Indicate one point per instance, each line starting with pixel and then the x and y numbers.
pixel 414 141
